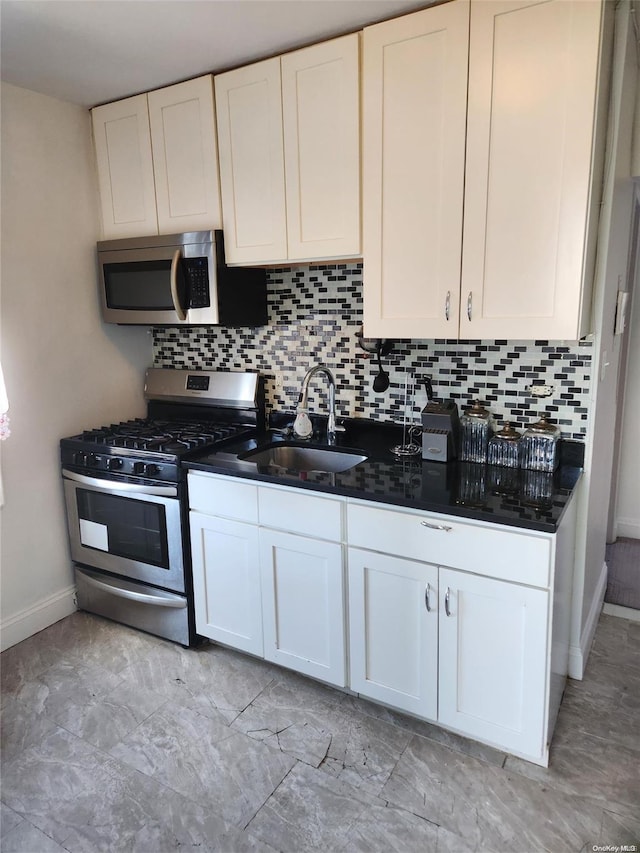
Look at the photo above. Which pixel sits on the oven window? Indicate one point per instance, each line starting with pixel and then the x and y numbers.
pixel 139 286
pixel 125 527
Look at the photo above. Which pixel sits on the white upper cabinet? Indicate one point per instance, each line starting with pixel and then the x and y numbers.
pixel 320 105
pixel 125 168
pixel 251 151
pixel 157 161
pixel 185 157
pixel 532 86
pixel 414 113
pixel 517 263
pixel 289 147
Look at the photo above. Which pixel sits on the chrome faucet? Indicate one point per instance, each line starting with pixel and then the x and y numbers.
pixel 302 427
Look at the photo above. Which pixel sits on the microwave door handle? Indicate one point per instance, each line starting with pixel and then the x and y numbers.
pixel 182 314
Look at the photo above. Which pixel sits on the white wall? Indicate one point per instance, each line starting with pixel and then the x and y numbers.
pixel 613 253
pixel 64 370
pixel 627 514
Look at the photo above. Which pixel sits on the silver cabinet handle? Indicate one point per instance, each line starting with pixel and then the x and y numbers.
pixel 447 599
pixel 469 306
pixel 427 590
pixel 182 314
pixel 444 527
pixel 447 305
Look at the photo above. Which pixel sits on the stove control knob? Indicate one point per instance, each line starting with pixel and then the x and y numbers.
pixel 79 458
pixel 91 460
pixel 139 468
pixel 114 464
pixel 153 470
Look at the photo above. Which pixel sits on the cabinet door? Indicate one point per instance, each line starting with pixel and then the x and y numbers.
pixel 303 605
pixel 532 82
pixel 414 116
pixel 321 114
pixel 185 156
pixel 226 581
pixel 393 631
pixel 492 660
pixel 249 117
pixel 125 168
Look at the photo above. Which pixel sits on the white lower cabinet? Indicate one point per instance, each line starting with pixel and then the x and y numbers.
pixel 481 648
pixel 276 593
pixel 226 581
pixel 393 631
pixel 492 660
pixel 303 604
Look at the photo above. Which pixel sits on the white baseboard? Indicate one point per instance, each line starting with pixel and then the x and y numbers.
pixel 629 528
pixel 37 617
pixel 622 612
pixel 578 654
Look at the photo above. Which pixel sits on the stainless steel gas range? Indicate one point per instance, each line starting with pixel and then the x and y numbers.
pixel 125 494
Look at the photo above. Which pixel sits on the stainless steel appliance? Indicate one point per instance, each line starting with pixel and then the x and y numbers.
pixel 178 279
pixel 125 495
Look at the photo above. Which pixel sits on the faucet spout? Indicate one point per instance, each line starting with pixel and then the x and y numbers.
pixel 302 425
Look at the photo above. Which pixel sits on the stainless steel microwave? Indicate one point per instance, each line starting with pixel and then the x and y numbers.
pixel 178 280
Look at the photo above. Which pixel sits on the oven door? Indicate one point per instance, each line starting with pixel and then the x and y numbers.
pixel 128 529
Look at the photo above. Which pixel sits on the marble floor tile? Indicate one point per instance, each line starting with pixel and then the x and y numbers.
pixel 489 808
pixel 25 838
pixel 88 802
pixel 309 811
pixel 319 728
pixel 21 725
pixel 429 730
pixel 224 681
pixel 205 760
pixel 8 820
pixel 116 741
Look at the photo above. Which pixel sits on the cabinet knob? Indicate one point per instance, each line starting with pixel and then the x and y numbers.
pixel 444 527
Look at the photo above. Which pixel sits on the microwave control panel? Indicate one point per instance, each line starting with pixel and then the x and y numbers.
pixel 197 276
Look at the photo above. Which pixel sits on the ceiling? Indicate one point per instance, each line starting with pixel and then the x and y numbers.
pixel 93 51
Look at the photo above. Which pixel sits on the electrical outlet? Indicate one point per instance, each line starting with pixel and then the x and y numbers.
pixel 541 390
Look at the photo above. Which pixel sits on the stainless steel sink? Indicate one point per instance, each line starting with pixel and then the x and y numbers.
pixel 305 458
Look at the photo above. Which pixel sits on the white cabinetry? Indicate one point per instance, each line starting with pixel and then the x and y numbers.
pixel 529 174
pixel 414 89
pixel 288 131
pixel 393 631
pixel 157 161
pixel 274 592
pixel 492 660
pixel 467 647
pixel 456 621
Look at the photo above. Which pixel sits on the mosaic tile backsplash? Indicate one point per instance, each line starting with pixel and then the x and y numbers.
pixel 315 313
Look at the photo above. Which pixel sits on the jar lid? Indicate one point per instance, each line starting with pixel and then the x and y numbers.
pixel 544 427
pixel 478 411
pixel 508 432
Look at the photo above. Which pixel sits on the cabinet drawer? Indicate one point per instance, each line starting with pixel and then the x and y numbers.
pixel 223 496
pixel 445 541
pixel 298 512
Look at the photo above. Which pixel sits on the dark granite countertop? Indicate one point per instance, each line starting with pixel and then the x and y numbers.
pixel 529 499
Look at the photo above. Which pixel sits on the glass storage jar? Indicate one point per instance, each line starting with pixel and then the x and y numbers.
pixel 504 447
pixel 540 446
pixel 476 428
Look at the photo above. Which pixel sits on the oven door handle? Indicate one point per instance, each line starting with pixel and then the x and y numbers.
pixel 116 486
pixel 175 297
pixel 135 596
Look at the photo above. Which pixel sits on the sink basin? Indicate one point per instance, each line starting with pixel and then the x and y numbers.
pixel 305 458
